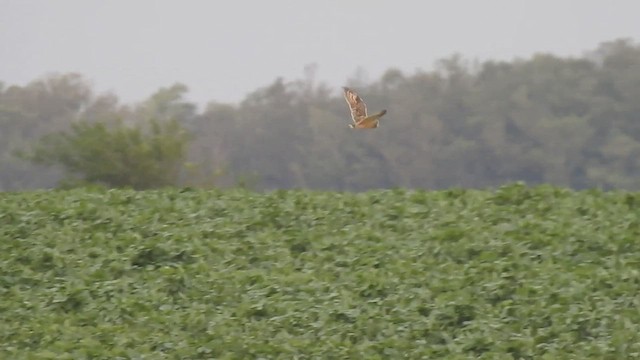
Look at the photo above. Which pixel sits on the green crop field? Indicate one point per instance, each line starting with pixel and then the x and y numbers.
pixel 518 272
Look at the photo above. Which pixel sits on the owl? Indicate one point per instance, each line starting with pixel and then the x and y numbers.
pixel 359 111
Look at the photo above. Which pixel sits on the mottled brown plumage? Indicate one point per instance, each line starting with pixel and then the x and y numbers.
pixel 359 111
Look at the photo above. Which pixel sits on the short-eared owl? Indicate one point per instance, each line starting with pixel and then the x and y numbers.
pixel 359 111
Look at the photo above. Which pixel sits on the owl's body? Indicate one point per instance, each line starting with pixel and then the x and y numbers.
pixel 370 122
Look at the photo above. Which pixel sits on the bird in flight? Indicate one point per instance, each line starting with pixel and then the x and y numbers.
pixel 359 111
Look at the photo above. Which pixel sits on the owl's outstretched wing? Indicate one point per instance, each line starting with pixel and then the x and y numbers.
pixel 356 105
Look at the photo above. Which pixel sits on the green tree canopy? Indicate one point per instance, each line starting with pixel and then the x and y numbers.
pixel 568 121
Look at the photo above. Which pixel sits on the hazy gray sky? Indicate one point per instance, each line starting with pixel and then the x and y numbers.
pixel 223 50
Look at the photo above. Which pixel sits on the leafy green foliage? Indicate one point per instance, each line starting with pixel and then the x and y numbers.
pixel 526 273
pixel 61 108
pixel 120 155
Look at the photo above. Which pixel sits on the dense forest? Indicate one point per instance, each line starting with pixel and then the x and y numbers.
pixel 567 121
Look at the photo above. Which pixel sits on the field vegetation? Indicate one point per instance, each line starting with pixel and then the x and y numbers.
pixel 513 273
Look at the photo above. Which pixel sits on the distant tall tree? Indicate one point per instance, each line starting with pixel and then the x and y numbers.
pixel 46 105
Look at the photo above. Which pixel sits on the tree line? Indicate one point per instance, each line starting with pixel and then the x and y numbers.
pixel 567 121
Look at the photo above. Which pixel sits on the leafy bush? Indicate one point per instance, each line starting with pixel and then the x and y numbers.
pixel 525 273
pixel 143 156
